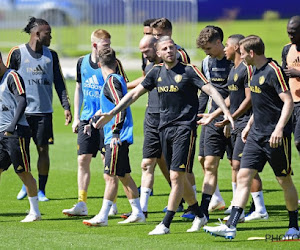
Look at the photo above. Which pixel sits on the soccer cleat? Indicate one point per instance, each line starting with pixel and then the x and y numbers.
pixel 228 210
pixel 42 196
pixel 241 219
pixel 78 209
pixel 257 216
pixel 134 218
pixel 292 234
pixel 216 205
pixel 188 216
pixel 197 224
pixel 126 215
pixel 179 209
pixel 96 221
pixel 160 229
pixel 221 230
pixel 22 193
pixel 113 211
pixel 31 218
pixel 252 208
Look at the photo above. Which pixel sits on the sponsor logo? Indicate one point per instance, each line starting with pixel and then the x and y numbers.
pixel 35 71
pixel 233 87
pixel 106 168
pixel 170 88
pixel 296 62
pixel 159 79
pixel 182 166
pixel 255 89
pixel 19 168
pixel 4 108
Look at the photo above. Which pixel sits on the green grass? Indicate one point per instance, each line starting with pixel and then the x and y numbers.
pixel 56 231
pixel 74 41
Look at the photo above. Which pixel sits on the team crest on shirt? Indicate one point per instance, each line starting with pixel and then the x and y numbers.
pixel 261 80
pixel 178 78
pixel 236 77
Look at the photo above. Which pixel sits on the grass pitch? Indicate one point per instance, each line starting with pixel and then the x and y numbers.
pixel 56 231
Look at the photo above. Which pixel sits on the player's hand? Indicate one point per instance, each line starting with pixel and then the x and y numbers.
pixel 245 133
pixel 105 118
pixel 75 125
pixel 222 123
pixel 6 133
pixel 227 131
pixel 291 72
pixel 87 129
pixel 115 142
pixel 206 119
pixel 276 138
pixel 68 117
pixel 230 119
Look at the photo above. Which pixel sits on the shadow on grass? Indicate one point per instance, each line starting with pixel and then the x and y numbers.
pixel 13 214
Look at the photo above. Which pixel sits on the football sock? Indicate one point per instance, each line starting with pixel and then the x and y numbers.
pixel 144 197
pixel 293 218
pixel 258 199
pixel 205 203
pixel 135 206
pixel 42 182
pixel 82 196
pixel 106 205
pixel 34 205
pixel 168 218
pixel 234 216
pixel 217 195
pixel 196 210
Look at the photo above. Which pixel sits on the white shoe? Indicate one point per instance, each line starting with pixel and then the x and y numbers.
pixel 197 224
pixel 241 219
pixel 292 234
pixel 22 193
pixel 31 218
pixel 113 211
pixel 216 205
pixel 78 209
pixel 228 210
pixel 221 230
pixel 96 221
pixel 134 218
pixel 160 229
pixel 257 216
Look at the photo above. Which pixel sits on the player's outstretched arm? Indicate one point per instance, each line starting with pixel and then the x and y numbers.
pixel 126 101
pixel 210 90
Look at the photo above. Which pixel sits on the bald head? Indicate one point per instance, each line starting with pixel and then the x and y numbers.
pixel 147 47
pixel 293 29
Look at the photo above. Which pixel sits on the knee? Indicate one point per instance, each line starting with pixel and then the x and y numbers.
pixel 83 160
pixel 148 165
pixel 111 179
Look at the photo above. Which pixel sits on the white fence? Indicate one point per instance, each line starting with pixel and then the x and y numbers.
pixel 73 21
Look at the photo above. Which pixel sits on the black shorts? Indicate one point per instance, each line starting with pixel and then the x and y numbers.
pixel 257 152
pixel 151 146
pixel 296 122
pixel 177 146
pixel 238 146
pixel 90 144
pixel 14 150
pixel 41 129
pixel 117 160
pixel 215 142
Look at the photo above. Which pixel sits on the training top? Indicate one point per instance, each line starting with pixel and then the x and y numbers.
pixel 291 57
pixel 266 85
pixel 90 77
pixel 39 70
pixel 121 124
pixel 216 71
pixel 11 86
pixel 177 89
pixel 238 81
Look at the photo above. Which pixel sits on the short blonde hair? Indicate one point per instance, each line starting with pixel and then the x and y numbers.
pixel 99 34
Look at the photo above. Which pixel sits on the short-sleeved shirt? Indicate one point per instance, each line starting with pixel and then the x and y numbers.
pixel 177 90
pixel 238 80
pixel 266 84
pixel 291 57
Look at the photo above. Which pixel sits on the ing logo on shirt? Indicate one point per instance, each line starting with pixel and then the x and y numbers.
pixel 166 89
pixel 255 89
pixel 233 87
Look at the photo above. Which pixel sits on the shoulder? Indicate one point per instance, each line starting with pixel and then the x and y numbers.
pixel 286 48
pixel 79 61
pixel 194 70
